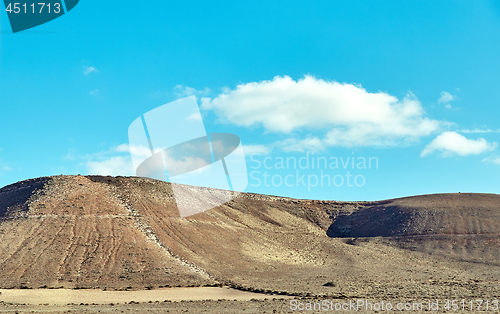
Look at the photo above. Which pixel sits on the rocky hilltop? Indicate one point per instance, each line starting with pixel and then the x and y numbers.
pixel 125 232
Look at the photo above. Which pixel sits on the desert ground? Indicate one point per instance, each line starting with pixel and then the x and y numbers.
pixel 71 296
pixel 95 236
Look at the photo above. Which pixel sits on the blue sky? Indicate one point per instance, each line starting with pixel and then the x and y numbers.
pixel 412 83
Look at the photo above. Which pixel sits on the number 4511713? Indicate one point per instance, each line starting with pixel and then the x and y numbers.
pixel 23 8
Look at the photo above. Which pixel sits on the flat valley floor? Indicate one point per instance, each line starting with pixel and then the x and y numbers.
pixel 215 300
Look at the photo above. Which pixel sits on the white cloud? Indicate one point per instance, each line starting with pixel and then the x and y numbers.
pixel 88 70
pixel 452 143
pixel 185 91
pixel 134 150
pixel 115 161
pixel 113 166
pixel 446 97
pixel 347 114
pixel 138 153
pixel 120 161
pixel 94 92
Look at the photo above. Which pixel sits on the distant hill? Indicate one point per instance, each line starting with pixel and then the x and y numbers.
pixel 119 232
pixel 439 214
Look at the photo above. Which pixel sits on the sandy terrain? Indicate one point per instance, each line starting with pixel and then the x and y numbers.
pixel 67 296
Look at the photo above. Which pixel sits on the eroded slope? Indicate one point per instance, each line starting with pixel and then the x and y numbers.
pixel 93 231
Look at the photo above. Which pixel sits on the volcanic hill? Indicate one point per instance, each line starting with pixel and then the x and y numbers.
pixel 125 232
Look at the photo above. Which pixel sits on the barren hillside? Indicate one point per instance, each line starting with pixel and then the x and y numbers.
pixel 114 233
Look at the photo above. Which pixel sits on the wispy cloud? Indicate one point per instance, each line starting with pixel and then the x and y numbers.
pixel 113 166
pixel 309 144
pixel 256 149
pixel 114 161
pixel 452 143
pixel 181 91
pixel 120 161
pixel 492 159
pixel 136 151
pixel 195 116
pixel 446 98
pixel 71 155
pixel 185 91
pixel 95 92
pixel 479 131
pixel 88 70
